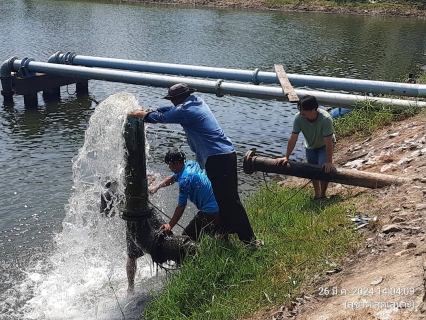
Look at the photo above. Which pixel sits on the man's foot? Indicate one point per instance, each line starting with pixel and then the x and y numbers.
pixel 256 244
pixel 320 198
pixel 224 237
pixel 130 292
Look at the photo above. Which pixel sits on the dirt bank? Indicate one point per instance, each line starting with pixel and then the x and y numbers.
pixel 301 6
pixel 385 279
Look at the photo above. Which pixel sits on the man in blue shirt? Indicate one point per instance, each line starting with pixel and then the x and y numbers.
pixel 214 151
pixel 195 186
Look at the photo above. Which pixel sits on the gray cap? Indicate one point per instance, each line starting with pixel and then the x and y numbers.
pixel 176 90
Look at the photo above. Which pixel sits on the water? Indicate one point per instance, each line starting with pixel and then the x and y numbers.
pixel 58 258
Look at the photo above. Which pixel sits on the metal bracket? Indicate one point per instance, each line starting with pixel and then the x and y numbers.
pixel 217 88
pixel 23 69
pixel 69 56
pixel 10 63
pixel 57 56
pixel 254 76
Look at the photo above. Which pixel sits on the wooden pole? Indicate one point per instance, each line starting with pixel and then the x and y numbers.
pixel 285 83
pixel 253 163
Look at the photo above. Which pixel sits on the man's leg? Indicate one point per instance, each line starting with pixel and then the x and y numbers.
pixel 222 172
pixel 322 158
pixel 317 188
pixel 324 186
pixel 131 267
pixel 201 224
pixel 134 251
pixel 312 157
pixel 193 229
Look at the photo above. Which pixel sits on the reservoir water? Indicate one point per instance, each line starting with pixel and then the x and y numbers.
pixel 58 259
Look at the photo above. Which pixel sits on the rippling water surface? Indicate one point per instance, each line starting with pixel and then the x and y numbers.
pixel 46 272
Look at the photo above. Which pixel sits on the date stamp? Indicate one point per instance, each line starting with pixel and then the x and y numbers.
pixel 366 291
pixel 373 297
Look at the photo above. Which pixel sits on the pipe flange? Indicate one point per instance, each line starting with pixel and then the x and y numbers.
pixel 248 162
pixel 254 76
pixel 11 62
pixel 69 56
pixel 23 69
pixel 217 88
pixel 55 58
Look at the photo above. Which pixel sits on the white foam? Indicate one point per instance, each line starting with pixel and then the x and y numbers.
pixel 84 277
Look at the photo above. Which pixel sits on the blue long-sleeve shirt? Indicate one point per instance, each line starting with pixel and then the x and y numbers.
pixel 194 184
pixel 204 135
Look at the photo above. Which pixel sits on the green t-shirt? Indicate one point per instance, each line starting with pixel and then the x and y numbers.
pixel 314 132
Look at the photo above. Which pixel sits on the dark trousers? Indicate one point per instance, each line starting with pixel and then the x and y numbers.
pixel 222 171
pixel 202 224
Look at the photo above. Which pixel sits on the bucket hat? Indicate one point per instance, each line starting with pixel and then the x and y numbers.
pixel 177 90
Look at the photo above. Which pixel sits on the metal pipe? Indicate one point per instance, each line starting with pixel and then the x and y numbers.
pixel 136 182
pixel 218 87
pixel 254 76
pixel 7 79
pixel 253 163
pixel 144 221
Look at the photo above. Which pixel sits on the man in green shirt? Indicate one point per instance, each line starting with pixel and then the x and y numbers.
pixel 317 128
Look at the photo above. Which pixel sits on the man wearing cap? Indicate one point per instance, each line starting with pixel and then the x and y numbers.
pixel 214 151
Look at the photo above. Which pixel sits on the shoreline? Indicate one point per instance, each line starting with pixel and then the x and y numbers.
pixel 395 11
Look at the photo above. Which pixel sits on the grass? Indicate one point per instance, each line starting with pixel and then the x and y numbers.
pixel 229 281
pixel 368 116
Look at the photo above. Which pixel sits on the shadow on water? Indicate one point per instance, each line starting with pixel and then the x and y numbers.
pixel 69 113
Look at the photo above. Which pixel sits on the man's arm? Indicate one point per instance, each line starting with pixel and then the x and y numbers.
pixel 138 113
pixel 174 220
pixel 329 152
pixel 290 147
pixel 166 182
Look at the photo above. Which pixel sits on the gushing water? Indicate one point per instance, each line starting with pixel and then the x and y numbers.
pixel 84 277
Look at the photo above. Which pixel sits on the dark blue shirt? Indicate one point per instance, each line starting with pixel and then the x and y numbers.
pixel 204 135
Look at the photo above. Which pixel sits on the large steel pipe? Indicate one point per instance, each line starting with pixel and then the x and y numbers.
pixel 136 180
pixel 216 87
pixel 137 211
pixel 253 76
pixel 253 163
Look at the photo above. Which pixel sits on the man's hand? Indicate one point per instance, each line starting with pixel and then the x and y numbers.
pixel 138 113
pixel 328 166
pixel 279 161
pixel 109 213
pixel 166 227
pixel 153 189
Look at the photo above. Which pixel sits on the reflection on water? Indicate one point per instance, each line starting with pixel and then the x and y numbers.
pixel 37 145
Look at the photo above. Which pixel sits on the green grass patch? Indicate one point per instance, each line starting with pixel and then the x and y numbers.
pixel 230 280
pixel 421 78
pixel 367 117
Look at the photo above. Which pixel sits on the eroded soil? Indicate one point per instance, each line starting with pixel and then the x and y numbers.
pixel 385 278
